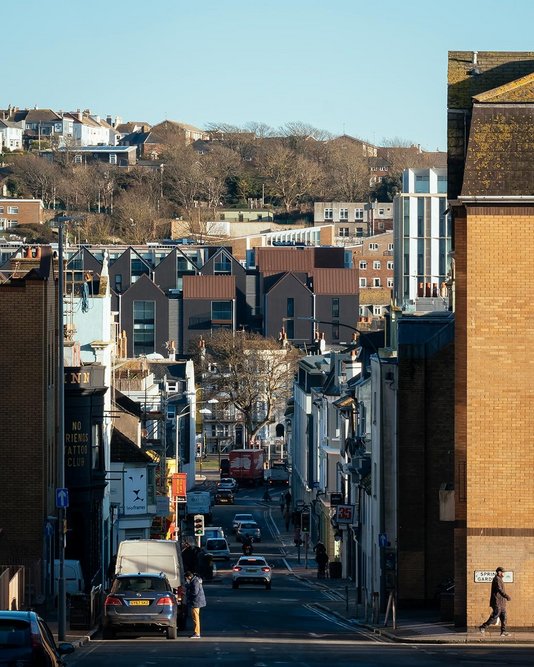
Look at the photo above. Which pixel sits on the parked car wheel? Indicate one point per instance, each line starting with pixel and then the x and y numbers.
pixel 171 632
pixel 268 586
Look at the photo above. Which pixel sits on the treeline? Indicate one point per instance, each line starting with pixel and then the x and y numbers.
pixel 285 173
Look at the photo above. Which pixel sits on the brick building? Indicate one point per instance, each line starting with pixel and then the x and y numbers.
pixel 28 476
pixel 490 186
pixel 15 212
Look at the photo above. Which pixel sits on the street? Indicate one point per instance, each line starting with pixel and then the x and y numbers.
pixel 255 627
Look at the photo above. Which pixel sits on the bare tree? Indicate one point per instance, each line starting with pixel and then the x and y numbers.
pixel 137 215
pixel 289 175
pixel 254 374
pixel 346 172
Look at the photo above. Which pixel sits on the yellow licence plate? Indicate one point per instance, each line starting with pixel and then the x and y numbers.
pixel 139 603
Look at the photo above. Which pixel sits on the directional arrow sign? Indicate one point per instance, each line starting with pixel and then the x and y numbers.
pixel 62 498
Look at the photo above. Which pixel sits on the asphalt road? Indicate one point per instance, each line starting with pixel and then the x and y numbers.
pixel 254 627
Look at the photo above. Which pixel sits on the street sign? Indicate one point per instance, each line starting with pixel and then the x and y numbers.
pixel 336 499
pixel 486 576
pixel 179 487
pixel 62 498
pixel 382 540
pixel 345 514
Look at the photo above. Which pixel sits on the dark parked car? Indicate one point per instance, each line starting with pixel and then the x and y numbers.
pixel 224 497
pixel 140 602
pixel 25 639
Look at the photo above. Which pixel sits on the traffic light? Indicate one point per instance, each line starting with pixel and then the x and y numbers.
pixel 198 524
pixel 305 521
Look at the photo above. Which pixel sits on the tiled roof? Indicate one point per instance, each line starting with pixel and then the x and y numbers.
pixel 492 69
pixel 275 260
pixel 520 90
pixel 335 281
pixel 500 157
pixel 209 287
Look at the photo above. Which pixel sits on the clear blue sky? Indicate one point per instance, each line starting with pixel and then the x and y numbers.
pixel 371 69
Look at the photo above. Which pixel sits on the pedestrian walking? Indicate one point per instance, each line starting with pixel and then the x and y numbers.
pixel 321 558
pixel 195 599
pixel 288 498
pixel 498 600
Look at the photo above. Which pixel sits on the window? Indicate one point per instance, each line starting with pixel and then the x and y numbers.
pixel 290 310
pixel 373 246
pixel 290 329
pixel 329 214
pixel 221 310
pixel 363 282
pixel 363 265
pixel 442 184
pixel 380 211
pixel 335 331
pixel 223 265
pixel 422 183
pixel 335 307
pixel 113 158
pixel 118 282
pixel 376 265
pixel 1 209
pixel 138 268
pixel 77 159
pixel 97 453
pixel 343 213
pixel 376 282
pixel 390 282
pixel 13 210
pixel 390 266
pixel 344 231
pixel 377 310
pixel 144 327
pixel 358 213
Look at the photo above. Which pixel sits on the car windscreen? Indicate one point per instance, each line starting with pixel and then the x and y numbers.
pixel 252 561
pixel 139 584
pixel 216 545
pixel 14 633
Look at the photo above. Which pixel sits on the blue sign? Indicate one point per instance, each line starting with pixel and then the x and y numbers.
pixel 62 498
pixel 382 540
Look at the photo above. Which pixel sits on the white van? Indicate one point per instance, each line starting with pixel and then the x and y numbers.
pixel 74 582
pixel 155 556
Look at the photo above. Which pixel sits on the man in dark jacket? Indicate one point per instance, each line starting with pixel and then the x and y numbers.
pixel 195 599
pixel 498 600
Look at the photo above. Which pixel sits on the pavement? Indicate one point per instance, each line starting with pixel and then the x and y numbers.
pixel 421 626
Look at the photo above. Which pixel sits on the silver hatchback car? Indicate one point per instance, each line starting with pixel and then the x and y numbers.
pixel 248 529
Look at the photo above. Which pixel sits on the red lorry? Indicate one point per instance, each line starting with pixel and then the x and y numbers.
pixel 246 466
